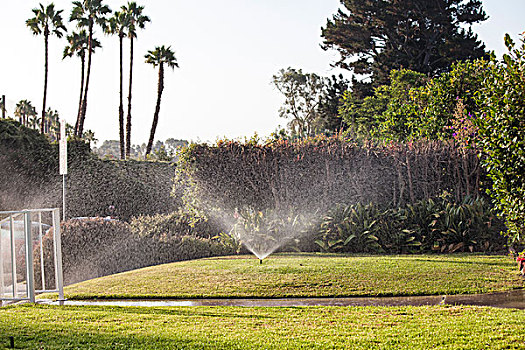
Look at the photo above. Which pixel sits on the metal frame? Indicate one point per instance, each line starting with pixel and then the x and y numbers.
pixel 29 245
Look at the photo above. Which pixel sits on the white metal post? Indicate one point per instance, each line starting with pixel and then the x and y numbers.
pixel 2 284
pixel 14 278
pixel 57 244
pixel 30 276
pixel 42 275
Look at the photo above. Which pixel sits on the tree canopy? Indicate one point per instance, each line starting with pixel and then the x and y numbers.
pixel 374 37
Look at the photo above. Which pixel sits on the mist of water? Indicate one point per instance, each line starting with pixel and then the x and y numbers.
pixel 263 232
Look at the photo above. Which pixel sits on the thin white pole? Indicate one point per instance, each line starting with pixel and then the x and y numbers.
pixel 63 164
pixel 63 197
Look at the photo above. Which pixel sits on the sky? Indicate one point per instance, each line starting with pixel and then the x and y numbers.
pixel 227 51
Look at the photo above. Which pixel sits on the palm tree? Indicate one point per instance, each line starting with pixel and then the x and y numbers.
pixel 159 57
pixel 87 14
pixel 52 123
pixel 78 43
pixel 137 20
pixel 117 25
pixel 33 121
pixel 46 21
pixel 24 110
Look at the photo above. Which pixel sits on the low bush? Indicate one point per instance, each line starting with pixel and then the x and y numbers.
pixel 177 223
pixel 96 247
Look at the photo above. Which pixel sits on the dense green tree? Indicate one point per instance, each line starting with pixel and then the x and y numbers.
pixel 159 57
pixel 501 135
pixel 303 93
pixel 78 43
pixel 118 25
pixel 385 113
pixel 430 109
pixel 412 106
pixel 374 37
pixel 47 21
pixel 87 14
pixel 329 121
pixel 136 21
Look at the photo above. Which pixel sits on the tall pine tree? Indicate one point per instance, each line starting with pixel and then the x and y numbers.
pixel 375 36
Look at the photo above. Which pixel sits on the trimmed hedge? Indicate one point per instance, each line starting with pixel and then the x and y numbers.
pixel 316 173
pixel 96 247
pixel 29 165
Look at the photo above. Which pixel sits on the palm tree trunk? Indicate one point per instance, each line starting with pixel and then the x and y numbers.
pixel 79 113
pixel 157 109
pixel 121 106
pixel 80 129
pixel 128 121
pixel 45 81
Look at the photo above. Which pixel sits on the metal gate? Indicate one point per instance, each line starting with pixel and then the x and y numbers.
pixel 30 249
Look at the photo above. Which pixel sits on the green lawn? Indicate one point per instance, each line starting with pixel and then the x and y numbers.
pixel 96 327
pixel 309 275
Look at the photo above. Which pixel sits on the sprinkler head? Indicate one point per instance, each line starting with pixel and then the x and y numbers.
pixel 260 261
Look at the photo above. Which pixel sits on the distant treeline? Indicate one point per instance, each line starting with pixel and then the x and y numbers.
pixel 165 151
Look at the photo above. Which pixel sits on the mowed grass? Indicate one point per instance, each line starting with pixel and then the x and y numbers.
pixel 97 327
pixel 309 275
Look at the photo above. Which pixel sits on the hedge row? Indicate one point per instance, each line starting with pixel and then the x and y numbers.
pixel 29 165
pixel 316 173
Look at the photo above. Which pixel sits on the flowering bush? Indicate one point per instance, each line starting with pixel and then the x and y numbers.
pixel 463 126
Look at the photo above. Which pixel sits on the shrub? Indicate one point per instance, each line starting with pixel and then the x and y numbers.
pixel 96 247
pixel 90 248
pixel 425 226
pixel 178 223
pixel 502 136
pixel 352 228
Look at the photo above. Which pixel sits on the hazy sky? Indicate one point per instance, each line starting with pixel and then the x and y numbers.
pixel 227 50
